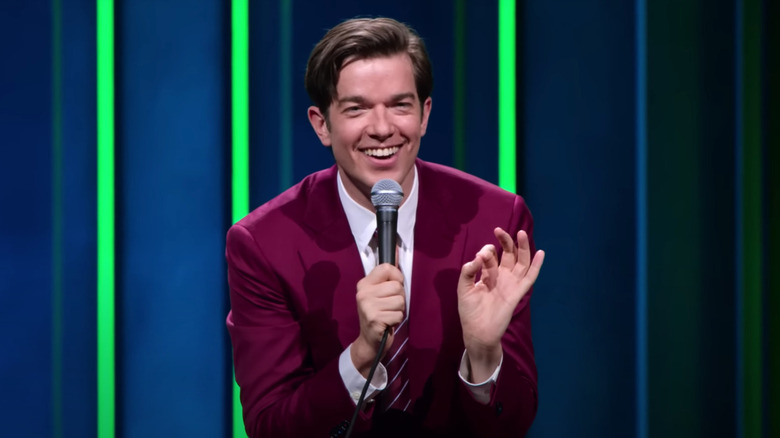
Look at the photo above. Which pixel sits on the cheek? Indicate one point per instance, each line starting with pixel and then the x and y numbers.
pixel 346 135
pixel 412 127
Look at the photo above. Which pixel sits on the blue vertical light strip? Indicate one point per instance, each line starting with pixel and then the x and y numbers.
pixel 641 221
pixel 285 95
pixel 459 92
pixel 57 220
pixel 739 220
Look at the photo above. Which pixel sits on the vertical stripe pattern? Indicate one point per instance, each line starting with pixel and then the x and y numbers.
pixel 105 202
pixel 57 221
pixel 507 140
pixel 240 147
pixel 641 219
pixel 749 211
pixel 396 394
pixel 285 95
pixel 459 99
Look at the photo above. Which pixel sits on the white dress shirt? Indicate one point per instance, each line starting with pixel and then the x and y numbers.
pixel 362 223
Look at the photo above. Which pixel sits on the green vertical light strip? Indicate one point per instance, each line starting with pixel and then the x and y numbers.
pixel 285 95
pixel 240 107
pixel 751 212
pixel 507 131
pixel 57 268
pixel 105 220
pixel 459 97
pixel 239 19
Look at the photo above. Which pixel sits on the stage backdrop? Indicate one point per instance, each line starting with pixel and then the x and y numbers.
pixel 646 141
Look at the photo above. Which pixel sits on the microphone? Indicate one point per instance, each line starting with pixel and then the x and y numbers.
pixel 386 195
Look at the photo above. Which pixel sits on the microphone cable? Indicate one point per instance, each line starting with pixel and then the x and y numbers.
pixel 368 383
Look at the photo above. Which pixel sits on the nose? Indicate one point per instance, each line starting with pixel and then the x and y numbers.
pixel 380 126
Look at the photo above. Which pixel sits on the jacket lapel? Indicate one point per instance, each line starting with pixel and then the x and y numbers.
pixel 332 268
pixel 434 330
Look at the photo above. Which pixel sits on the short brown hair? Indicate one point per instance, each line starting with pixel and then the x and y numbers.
pixel 364 38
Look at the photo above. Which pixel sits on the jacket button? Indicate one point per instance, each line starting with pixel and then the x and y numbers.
pixel 499 408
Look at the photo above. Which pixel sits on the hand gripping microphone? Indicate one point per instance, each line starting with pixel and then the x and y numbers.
pixel 386 195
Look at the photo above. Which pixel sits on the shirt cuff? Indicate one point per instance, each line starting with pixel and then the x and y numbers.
pixel 354 381
pixel 480 391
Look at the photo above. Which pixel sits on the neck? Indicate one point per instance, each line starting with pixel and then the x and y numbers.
pixel 363 196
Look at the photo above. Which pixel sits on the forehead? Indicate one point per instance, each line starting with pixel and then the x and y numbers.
pixel 376 76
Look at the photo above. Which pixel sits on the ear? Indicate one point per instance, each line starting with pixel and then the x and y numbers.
pixel 320 125
pixel 426 112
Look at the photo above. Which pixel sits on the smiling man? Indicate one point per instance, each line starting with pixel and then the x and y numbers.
pixel 309 304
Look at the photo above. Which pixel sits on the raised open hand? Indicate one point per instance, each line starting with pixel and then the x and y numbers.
pixel 486 305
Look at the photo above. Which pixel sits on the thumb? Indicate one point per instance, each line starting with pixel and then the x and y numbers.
pixel 468 273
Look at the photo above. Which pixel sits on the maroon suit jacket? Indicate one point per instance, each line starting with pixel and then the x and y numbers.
pixel 293 267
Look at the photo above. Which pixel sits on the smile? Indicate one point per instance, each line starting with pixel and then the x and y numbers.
pixel 381 152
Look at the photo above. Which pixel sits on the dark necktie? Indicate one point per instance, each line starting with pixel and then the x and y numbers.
pixel 396 394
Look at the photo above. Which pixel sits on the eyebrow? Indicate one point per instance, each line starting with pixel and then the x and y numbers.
pixel 361 99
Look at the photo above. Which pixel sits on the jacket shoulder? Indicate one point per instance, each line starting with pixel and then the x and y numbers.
pixel 290 207
pixel 458 183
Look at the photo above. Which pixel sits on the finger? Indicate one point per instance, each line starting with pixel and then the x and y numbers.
pixel 391 318
pixel 381 318
pixel 386 320
pixel 488 255
pixel 384 272
pixel 489 265
pixel 533 270
pixel 468 273
pixel 391 303
pixel 387 289
pixel 523 250
pixel 508 258
pixel 381 311
pixel 369 296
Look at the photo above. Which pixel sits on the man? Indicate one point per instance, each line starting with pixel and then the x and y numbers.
pixel 310 305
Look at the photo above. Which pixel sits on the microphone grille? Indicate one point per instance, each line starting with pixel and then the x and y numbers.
pixel 387 193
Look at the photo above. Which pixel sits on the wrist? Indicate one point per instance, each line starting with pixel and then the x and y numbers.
pixel 483 361
pixel 362 356
pixel 481 350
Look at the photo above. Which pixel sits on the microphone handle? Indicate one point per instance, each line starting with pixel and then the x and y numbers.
pixel 386 226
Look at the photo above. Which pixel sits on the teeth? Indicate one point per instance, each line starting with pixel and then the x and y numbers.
pixel 381 152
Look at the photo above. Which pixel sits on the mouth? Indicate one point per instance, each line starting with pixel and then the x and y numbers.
pixel 381 153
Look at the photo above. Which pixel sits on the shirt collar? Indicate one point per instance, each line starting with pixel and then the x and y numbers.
pixel 362 222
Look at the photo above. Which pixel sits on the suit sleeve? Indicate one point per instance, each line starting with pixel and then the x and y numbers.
pixel 281 393
pixel 513 400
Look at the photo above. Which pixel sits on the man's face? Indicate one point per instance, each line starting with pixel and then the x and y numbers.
pixel 375 124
